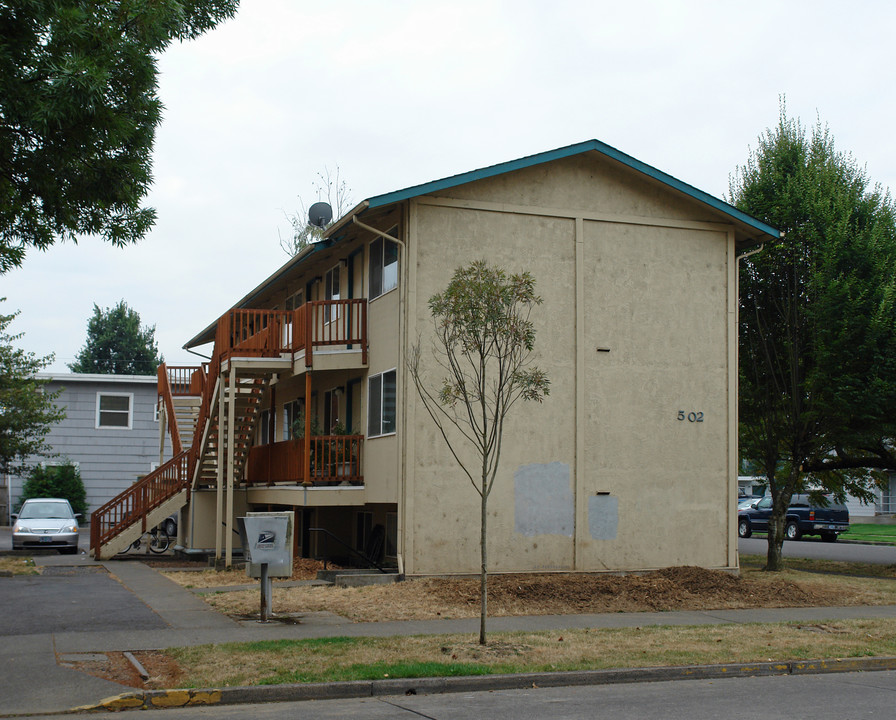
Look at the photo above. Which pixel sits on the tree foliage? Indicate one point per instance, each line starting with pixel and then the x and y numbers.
pixel 78 112
pixel 56 481
pixel 817 321
pixel 329 187
pixel 117 344
pixel 27 410
pixel 483 344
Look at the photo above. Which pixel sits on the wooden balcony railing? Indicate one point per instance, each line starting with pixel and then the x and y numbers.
pixel 182 380
pixel 133 504
pixel 334 459
pixel 328 323
pixel 270 333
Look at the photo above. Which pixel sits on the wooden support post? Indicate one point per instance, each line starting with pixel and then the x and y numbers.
pixel 229 476
pixel 219 490
pixel 306 461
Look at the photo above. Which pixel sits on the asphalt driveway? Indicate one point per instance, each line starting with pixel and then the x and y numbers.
pixel 71 599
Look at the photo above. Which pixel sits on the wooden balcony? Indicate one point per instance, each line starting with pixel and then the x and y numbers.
pixel 296 334
pixel 335 460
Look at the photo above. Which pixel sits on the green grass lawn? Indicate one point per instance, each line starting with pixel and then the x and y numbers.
pixel 871 532
pixel 863 532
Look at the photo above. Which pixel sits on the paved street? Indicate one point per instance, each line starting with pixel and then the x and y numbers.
pixel 812 697
pixel 817 549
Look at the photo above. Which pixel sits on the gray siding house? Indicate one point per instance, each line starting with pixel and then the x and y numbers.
pixel 111 431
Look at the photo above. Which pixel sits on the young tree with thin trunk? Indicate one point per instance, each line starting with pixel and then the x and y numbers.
pixel 817 322
pixel 483 345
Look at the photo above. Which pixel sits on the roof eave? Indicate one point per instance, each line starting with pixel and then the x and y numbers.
pixel 568 151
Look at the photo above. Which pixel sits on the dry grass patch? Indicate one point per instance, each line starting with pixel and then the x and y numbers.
pixel 303 569
pixel 12 565
pixel 367 658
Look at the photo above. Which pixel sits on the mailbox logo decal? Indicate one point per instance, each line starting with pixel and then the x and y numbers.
pixel 265 540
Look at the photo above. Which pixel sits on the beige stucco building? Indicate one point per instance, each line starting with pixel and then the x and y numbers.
pixel 629 464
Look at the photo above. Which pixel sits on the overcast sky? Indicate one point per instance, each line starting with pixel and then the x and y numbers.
pixel 399 93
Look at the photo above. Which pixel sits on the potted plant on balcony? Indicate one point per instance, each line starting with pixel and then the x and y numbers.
pixel 318 453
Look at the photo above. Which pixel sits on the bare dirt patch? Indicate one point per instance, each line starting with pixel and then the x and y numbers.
pixel 163 670
pixel 681 588
pixel 302 569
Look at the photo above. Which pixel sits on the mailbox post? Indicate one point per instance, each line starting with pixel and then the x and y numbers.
pixel 267 543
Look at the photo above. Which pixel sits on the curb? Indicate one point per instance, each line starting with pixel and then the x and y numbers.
pixel 149 699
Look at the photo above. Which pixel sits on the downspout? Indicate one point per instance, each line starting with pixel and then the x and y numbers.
pixel 383 235
pixel 747 254
pixel 404 299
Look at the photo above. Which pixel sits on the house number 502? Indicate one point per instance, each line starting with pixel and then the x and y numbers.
pixel 691 416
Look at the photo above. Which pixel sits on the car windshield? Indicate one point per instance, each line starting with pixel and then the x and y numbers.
pixel 45 511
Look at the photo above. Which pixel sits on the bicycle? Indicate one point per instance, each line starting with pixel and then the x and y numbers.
pixel 158 542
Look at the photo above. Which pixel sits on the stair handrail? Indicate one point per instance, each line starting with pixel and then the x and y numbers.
pixel 211 370
pixel 164 389
pixel 134 503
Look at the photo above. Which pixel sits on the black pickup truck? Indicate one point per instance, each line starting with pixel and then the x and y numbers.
pixel 803 518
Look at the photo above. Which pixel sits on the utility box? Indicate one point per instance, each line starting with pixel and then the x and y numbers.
pixel 267 539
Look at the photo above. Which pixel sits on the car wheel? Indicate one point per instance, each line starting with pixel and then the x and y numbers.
pixel 829 536
pixel 792 531
pixel 171 528
pixel 743 528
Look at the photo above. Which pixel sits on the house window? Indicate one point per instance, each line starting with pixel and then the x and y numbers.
pixel 292 413
pixel 113 410
pixel 296 300
pixel 331 412
pixel 332 281
pixel 383 265
pixel 381 404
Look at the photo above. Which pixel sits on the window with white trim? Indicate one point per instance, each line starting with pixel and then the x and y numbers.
pixel 332 287
pixel 383 265
pixel 381 404
pixel 113 410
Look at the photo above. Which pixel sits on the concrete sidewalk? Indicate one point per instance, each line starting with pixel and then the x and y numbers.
pixel 190 621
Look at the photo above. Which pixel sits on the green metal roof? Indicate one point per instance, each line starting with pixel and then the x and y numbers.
pixel 564 152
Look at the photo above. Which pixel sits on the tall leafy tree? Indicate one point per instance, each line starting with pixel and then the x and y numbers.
pixel 117 344
pixel 27 410
pixel 78 112
pixel 817 321
pixel 483 344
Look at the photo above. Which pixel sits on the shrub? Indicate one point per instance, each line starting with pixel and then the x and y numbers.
pixel 56 481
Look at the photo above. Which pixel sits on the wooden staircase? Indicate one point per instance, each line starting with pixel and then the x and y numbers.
pixel 212 412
